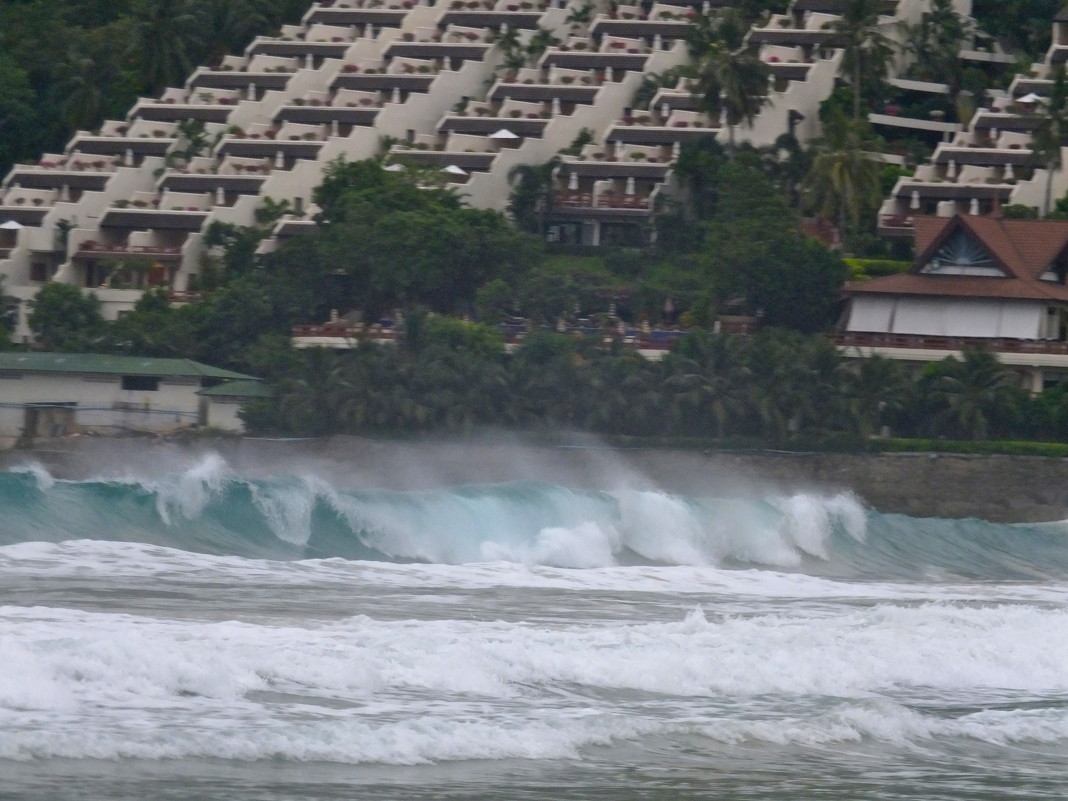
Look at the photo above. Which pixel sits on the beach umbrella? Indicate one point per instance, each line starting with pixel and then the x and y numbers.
pixel 452 169
pixel 630 186
pixel 572 181
pixel 974 208
pixel 10 225
pixel 1009 174
pixel 503 134
pixel 915 204
pixel 951 170
pixel 1030 97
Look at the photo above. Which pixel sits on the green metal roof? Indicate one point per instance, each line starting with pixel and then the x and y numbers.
pixel 238 389
pixel 112 365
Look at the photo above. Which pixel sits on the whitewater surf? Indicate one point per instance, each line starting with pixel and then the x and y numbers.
pixel 199 629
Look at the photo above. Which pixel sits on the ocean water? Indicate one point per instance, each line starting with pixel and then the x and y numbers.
pixel 200 630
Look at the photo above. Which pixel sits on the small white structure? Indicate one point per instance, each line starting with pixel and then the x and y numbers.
pixel 225 401
pixel 58 394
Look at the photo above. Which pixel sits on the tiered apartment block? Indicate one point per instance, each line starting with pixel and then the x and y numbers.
pixel 986 162
pixel 127 207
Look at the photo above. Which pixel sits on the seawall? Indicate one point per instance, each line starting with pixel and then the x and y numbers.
pixel 996 488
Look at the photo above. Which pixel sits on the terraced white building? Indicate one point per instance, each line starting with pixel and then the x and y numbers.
pixel 988 161
pixel 425 77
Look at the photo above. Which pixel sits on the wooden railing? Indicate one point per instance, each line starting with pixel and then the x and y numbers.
pixel 923 342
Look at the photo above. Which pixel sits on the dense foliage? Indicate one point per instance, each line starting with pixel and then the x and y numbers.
pixel 775 388
pixel 69 65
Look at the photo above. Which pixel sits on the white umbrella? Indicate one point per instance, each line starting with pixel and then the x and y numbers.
pixel 1030 97
pixel 452 169
pixel 915 204
pixel 11 225
pixel 503 133
pixel 630 186
pixel 394 168
pixel 974 209
pixel 572 181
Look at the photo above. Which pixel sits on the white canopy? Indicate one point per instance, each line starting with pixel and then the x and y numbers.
pixel 10 225
pixel 503 133
pixel 452 169
pixel 1030 97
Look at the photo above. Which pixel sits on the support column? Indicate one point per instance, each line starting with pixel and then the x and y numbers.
pixel 1037 380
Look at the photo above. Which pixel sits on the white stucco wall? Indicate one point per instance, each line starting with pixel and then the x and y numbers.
pixel 222 414
pixel 100 401
pixel 1009 319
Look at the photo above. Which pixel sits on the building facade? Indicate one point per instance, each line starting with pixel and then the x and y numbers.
pixel 46 395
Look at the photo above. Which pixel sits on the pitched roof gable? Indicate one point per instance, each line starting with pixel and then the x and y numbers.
pixel 1022 248
pixel 987 231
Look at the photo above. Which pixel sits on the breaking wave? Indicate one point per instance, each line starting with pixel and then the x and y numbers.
pixel 210 509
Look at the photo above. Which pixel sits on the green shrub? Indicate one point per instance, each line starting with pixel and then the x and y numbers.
pixel 978 447
pixel 863 269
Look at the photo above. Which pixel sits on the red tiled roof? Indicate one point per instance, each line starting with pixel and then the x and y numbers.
pixel 1022 248
pixel 966 286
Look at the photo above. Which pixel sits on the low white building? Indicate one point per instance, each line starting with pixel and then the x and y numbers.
pixel 978 282
pixel 58 394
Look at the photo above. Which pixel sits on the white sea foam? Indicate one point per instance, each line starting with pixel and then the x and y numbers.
pixel 115 560
pixel 123 685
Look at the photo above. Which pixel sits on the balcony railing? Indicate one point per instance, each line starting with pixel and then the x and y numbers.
pixel 91 248
pixel 924 342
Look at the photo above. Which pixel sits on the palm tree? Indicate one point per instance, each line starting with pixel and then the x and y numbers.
pixel 867 50
pixel 1052 130
pixel 878 391
pixel 228 25
pixel 541 41
pixel 164 37
pixel 580 16
pixel 81 99
pixel 934 44
pixel 531 201
pixel 735 82
pixel 974 394
pixel 844 181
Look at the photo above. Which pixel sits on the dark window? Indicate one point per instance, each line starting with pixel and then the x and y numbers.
pixel 140 383
pixel 38 272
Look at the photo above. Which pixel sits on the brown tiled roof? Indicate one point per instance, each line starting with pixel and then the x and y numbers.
pixel 1022 248
pixel 964 286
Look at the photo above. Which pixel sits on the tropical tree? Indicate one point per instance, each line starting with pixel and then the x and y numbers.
pixel 733 83
pixel 164 36
pixel 65 319
pixel 531 200
pixel 934 44
pixel 1049 138
pixel 17 113
pixel 843 182
pixel 973 395
pixel 227 25
pixel 541 40
pixel 878 392
pixel 868 51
